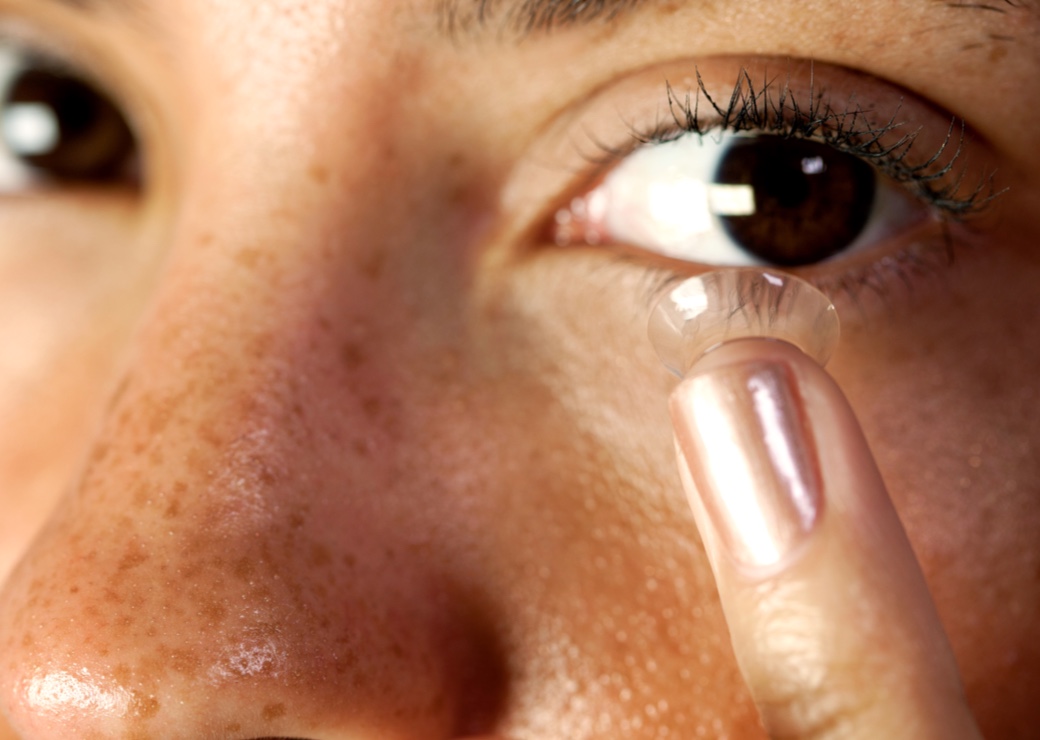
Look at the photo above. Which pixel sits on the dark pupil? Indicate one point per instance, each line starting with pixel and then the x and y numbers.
pixel 811 201
pixel 64 128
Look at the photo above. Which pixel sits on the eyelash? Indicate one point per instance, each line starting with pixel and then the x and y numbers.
pixel 939 180
pixel 777 112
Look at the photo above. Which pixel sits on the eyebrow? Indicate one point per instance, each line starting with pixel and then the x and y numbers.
pixel 530 16
pixel 102 6
pixel 527 17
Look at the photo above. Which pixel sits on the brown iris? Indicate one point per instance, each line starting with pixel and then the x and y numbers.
pixel 811 201
pixel 88 139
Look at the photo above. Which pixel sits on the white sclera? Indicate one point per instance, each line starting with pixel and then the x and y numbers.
pixel 705 311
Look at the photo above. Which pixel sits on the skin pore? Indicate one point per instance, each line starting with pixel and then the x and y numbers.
pixel 317 433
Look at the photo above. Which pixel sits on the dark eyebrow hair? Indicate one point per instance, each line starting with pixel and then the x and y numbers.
pixel 529 16
pixel 102 6
pixel 526 17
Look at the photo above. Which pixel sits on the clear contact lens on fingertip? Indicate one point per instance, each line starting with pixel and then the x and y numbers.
pixel 702 312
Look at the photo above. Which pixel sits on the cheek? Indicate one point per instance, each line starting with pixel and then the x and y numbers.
pixel 560 471
pixel 946 396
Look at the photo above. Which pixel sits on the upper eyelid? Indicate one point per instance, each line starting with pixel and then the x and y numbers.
pixel 772 108
pixel 570 152
pixel 843 114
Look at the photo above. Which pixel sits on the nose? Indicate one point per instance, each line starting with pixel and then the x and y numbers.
pixel 253 549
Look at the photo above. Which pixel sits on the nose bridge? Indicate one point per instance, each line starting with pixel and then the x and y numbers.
pixel 224 564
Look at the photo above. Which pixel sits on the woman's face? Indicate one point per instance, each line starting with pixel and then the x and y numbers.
pixel 324 426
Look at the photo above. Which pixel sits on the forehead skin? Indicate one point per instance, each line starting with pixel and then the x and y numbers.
pixel 347 454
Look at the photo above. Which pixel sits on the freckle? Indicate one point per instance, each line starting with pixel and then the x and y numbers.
pixel 349 560
pixel 997 52
pixel 143 707
pixel 353 356
pixel 318 173
pixel 371 406
pixel 296 520
pixel 185 662
pixel 156 456
pixel 122 674
pixel 126 621
pixel 267 476
pixel 233 728
pixel 455 161
pixel 244 568
pixel 74 589
pixel 157 418
pixel 205 239
pixel 173 510
pixel 372 264
pixel 248 258
pixel 99 454
pixel 132 558
pixel 214 612
pixel 27 640
pixel 361 447
pixel 458 195
pixel 274 711
pixel 345 662
pixel 320 557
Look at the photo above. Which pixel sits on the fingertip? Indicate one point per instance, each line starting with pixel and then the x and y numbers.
pixel 815 572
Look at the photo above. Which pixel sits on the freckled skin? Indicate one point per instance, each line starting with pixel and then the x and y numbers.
pixel 341 459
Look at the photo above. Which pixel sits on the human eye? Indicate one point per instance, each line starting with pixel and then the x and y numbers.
pixel 57 129
pixel 794 168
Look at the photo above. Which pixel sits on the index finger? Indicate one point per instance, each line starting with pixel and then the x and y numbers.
pixel 828 610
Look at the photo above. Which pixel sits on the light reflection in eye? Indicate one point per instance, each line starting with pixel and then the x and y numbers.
pixel 720 199
pixel 29 129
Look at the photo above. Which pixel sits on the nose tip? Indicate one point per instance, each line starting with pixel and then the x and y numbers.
pixel 247 599
pixel 410 660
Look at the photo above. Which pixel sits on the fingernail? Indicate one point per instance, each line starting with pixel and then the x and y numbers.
pixel 745 438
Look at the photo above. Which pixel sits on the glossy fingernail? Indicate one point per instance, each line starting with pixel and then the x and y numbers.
pixel 745 438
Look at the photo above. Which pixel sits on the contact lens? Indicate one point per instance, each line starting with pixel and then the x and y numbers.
pixel 703 312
